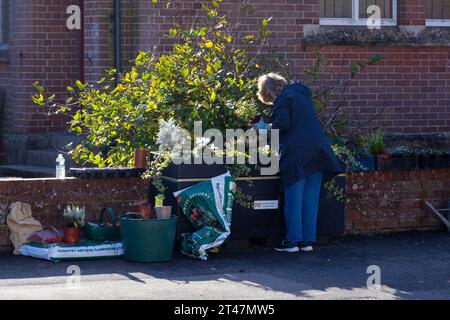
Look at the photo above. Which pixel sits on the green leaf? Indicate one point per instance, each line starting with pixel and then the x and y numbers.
pixel 80 85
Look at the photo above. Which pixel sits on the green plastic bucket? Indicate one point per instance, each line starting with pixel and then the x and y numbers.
pixel 147 240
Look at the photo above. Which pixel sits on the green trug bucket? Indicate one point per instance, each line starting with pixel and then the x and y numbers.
pixel 147 240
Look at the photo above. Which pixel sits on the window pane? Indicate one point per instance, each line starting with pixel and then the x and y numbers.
pixel 438 9
pixel 385 7
pixel 336 8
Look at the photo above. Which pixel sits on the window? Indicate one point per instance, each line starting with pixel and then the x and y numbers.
pixel 438 13
pixel 354 12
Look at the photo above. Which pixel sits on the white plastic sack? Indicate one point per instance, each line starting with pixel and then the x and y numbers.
pixel 21 224
pixel 84 250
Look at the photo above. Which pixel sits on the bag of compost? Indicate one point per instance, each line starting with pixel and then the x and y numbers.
pixel 86 249
pixel 208 206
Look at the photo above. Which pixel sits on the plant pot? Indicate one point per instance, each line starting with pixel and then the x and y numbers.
pixel 163 213
pixel 140 158
pixel 403 162
pixel 72 235
pixel 147 240
pixel 367 162
pixel 382 161
pixel 144 208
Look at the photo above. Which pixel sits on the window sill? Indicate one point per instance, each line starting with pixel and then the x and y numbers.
pixel 390 36
pixel 437 22
pixel 354 23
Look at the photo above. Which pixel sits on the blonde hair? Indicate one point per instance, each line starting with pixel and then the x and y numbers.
pixel 270 86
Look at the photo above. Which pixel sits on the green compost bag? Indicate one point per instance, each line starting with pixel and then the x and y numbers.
pixel 208 206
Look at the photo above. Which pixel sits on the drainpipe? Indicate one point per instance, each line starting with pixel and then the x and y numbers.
pixel 117 39
pixel 82 44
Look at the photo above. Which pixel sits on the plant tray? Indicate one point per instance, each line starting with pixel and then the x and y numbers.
pixel 438 161
pixel 403 162
pixel 95 173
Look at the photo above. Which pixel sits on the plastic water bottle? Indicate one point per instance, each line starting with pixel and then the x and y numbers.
pixel 60 167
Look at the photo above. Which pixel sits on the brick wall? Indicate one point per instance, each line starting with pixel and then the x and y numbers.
pixel 48 197
pixel 411 86
pixel 43 50
pixel 408 92
pixel 388 201
pixel 379 202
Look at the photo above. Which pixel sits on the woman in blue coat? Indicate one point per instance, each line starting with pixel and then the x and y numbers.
pixel 305 154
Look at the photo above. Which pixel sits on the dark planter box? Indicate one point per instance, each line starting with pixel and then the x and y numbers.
pixel 401 162
pixel 331 218
pixel 246 222
pixel 367 162
pixel 434 161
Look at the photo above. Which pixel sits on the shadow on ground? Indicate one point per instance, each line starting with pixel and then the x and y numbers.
pixel 413 266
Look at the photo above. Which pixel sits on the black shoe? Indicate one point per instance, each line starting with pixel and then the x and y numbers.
pixel 286 246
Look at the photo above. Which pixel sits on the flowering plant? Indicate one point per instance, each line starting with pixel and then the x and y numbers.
pixel 74 215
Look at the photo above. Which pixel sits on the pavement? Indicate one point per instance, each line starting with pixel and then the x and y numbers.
pixel 411 266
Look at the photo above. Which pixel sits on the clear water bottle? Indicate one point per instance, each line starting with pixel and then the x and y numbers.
pixel 60 167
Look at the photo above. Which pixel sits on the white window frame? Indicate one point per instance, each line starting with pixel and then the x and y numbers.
pixel 437 22
pixel 357 21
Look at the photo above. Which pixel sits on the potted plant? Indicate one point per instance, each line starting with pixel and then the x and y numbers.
pixel 403 158
pixel 74 216
pixel 376 146
pixel 140 158
pixel 365 161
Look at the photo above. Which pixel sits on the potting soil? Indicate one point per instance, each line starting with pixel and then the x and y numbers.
pixel 87 249
pixel 208 206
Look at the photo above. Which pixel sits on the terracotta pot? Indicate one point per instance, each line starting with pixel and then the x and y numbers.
pixel 140 158
pixel 383 161
pixel 72 235
pixel 144 208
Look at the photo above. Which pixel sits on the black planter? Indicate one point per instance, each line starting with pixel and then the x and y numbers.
pixel 403 162
pixel 434 161
pixel 252 223
pixel 96 173
pixel 331 218
pixel 247 223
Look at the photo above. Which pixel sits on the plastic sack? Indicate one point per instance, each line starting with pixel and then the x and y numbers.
pixel 46 236
pixel 21 224
pixel 61 252
pixel 208 206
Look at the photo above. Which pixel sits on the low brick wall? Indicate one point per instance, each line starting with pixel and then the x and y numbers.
pixel 48 197
pixel 377 201
pixel 391 201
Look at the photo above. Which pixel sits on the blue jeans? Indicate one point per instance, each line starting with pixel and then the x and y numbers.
pixel 301 208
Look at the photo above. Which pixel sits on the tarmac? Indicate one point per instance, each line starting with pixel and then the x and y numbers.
pixel 408 266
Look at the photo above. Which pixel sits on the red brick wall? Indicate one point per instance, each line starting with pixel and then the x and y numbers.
pixel 43 50
pixel 378 202
pixel 48 197
pixel 412 12
pixel 411 86
pixel 388 201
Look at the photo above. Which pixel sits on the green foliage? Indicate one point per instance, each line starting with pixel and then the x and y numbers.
pixel 376 142
pixel 209 76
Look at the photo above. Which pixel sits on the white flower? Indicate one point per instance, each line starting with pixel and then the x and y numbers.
pixel 169 134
